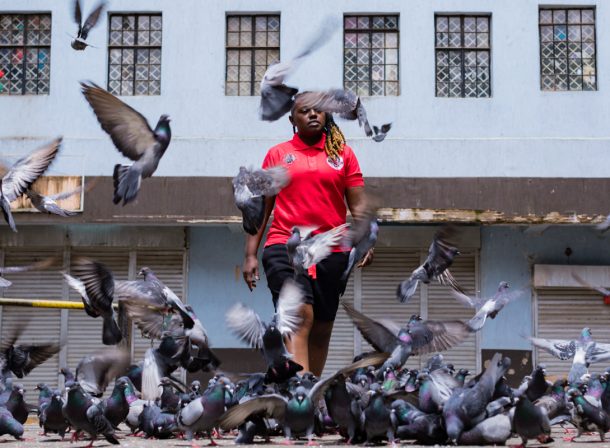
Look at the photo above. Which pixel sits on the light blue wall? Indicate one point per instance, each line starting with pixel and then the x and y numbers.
pixel 215 281
pixel 507 253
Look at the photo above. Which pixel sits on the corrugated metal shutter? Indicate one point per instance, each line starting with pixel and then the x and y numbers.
pixel 379 283
pixel 168 266
pixel 341 349
pixel 85 332
pixel 43 325
pixel 562 314
pixel 442 306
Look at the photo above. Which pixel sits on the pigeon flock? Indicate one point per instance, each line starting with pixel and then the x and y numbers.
pixel 374 399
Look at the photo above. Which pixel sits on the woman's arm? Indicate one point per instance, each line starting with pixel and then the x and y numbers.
pixel 250 265
pixel 356 202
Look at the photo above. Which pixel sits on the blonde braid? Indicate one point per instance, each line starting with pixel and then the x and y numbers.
pixel 335 140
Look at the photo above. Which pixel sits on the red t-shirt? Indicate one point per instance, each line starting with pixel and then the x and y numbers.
pixel 315 195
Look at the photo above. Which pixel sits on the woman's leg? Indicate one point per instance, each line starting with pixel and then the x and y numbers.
pixel 298 344
pixel 319 339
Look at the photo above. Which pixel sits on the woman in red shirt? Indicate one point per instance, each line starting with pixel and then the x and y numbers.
pixel 324 175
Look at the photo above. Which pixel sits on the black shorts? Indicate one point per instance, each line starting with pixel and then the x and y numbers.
pixel 321 292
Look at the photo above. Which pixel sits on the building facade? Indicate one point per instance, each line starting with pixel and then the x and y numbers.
pixel 499 113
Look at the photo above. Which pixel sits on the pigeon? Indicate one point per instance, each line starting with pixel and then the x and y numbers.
pixel 440 257
pixel 377 420
pixel 417 337
pixel 361 237
pixel 306 251
pixel 467 407
pixel 555 403
pixel 51 417
pixel 116 406
pixel 495 430
pixel 276 97
pixel 48 204
pixel 250 187
pixel 426 429
pixel 39 265
pixel 16 403
pixel 132 136
pixel 23 358
pixel 435 388
pixel 79 43
pixel 603 291
pixel 20 177
pixel 94 372
pixel 170 401
pixel 202 413
pixel 538 385
pixel 605 225
pixel 583 351
pixel 588 417
pixel 531 421
pixel 248 326
pixel 487 307
pixel 95 284
pixel 9 425
pixel 44 395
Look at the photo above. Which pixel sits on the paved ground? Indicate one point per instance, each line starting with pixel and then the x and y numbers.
pixel 35 440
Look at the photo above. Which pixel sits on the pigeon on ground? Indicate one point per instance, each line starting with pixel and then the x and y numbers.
pixel 95 372
pixel 440 257
pixel 487 307
pixel 537 385
pixel 277 98
pixel 531 421
pixel 248 326
pixel 95 284
pixel 132 136
pixel 20 177
pixel 306 250
pixel 79 43
pixel 23 358
pixel 555 403
pixel 588 417
pixel 377 419
pixel 250 187
pixel 48 204
pixel 44 395
pixel 51 417
pixel 116 406
pixel 9 425
pixel 435 388
pixel 495 430
pixel 426 429
pixel 170 400
pixel 16 403
pixel 417 337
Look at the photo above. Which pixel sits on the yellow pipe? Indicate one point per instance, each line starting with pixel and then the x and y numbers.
pixel 63 304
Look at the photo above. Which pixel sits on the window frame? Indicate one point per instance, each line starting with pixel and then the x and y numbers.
pixel 370 31
pixel 26 46
pixel 252 48
pixel 463 49
pixel 136 47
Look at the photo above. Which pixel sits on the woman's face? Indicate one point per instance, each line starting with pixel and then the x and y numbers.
pixel 309 122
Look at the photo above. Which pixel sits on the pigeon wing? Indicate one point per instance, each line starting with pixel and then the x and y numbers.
pixel 274 406
pixel 557 347
pixel 318 247
pixel 436 336
pixel 375 333
pixel 98 281
pixel 289 306
pixel 94 372
pixel 127 128
pixel 92 19
pixel 78 16
pixel 150 319
pixel 597 353
pixel 335 101
pixel 246 324
pixel 27 169
pixel 38 354
pixel 582 282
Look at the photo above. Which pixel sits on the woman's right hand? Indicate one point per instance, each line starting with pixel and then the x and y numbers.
pixel 250 271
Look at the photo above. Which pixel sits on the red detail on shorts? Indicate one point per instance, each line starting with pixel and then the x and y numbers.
pixel 311 270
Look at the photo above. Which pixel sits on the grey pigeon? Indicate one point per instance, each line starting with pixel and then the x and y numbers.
pixel 440 257
pixel 80 41
pixel 95 284
pixel 603 291
pixel 51 417
pixel 155 423
pixel 531 421
pixel 9 425
pixel 16 404
pixel 48 204
pixel 361 237
pixel 306 250
pixel 202 414
pixel 467 407
pixel 416 337
pixel 588 417
pixel 170 400
pixel 250 187
pixel 248 326
pixel 435 388
pixel 605 225
pixel 94 372
pixel 44 395
pixel 132 136
pixel 487 307
pixel 20 177
pixel 39 265
pixel 495 430
pixel 555 403
pixel 116 406
pixel 537 385
pixel 277 98
pixel 426 429
pixel 377 419
pixel 21 359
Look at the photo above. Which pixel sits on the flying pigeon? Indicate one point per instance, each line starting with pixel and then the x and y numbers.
pixel 23 358
pixel 440 257
pixel 361 237
pixel 79 43
pixel 603 291
pixel 132 136
pixel 48 204
pixel 305 251
pixel 23 174
pixel 250 187
pixel 39 265
pixel 94 372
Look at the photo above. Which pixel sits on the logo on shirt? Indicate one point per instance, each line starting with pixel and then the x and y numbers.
pixel 289 158
pixel 336 164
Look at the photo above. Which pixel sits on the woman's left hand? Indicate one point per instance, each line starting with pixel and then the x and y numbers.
pixel 368 258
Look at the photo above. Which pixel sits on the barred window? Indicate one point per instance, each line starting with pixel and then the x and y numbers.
pixel 567 49
pixel 370 55
pixel 253 44
pixel 134 54
pixel 463 56
pixel 25 54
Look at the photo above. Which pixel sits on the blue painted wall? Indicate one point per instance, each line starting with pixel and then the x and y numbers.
pixel 508 253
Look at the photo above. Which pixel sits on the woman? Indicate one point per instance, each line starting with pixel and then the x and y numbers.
pixel 324 174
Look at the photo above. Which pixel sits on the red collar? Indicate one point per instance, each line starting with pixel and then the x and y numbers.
pixel 300 144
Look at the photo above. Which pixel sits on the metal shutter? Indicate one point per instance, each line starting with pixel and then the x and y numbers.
pixel 85 332
pixel 562 314
pixel 341 349
pixel 442 306
pixel 168 265
pixel 379 283
pixel 42 325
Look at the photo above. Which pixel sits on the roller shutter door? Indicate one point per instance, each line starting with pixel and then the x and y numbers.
pixel 562 314
pixel 442 306
pixel 169 268
pixel 41 325
pixel 341 349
